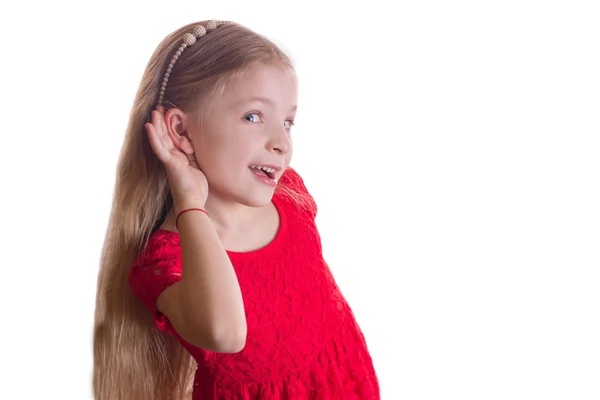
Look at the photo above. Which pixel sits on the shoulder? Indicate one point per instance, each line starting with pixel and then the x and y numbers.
pixel 292 178
pixel 161 245
pixel 158 265
pixel 292 188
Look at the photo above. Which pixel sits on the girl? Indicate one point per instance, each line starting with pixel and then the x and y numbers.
pixel 212 249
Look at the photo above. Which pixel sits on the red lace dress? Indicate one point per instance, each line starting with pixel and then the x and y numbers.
pixel 303 341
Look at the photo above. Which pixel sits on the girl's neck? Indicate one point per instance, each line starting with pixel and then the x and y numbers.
pixel 240 228
pixel 226 217
pixel 230 216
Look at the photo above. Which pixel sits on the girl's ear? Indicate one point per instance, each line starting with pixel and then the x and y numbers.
pixel 176 122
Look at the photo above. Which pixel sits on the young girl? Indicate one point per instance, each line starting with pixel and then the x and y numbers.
pixel 212 250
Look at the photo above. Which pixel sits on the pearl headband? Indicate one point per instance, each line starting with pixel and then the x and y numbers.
pixel 187 40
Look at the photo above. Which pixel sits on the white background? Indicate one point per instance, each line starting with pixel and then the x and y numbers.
pixel 452 148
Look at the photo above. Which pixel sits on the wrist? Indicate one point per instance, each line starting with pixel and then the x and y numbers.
pixel 178 209
pixel 189 202
pixel 194 210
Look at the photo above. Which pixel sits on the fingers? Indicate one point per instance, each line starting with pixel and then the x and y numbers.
pixel 163 124
pixel 161 142
pixel 156 143
pixel 170 145
pixel 192 160
pixel 160 128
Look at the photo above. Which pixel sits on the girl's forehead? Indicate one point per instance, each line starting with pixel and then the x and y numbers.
pixel 270 86
pixel 261 76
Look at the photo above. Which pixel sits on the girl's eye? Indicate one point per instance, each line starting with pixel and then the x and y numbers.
pixel 252 117
pixel 255 117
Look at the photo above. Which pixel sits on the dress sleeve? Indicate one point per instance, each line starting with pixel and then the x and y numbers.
pixel 293 187
pixel 158 267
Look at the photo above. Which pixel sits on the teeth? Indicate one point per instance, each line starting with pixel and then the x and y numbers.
pixel 266 169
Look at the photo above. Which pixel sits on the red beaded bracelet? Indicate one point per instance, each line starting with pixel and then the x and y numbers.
pixel 184 211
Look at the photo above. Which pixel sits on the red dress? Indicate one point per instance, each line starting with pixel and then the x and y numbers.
pixel 303 341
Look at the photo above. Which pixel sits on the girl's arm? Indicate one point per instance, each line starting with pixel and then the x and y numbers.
pixel 205 307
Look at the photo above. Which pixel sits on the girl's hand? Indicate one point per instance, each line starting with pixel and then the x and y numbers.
pixel 189 186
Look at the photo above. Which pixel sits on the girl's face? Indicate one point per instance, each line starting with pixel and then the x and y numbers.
pixel 248 126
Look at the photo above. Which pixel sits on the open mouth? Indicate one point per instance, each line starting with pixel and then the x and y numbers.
pixel 268 172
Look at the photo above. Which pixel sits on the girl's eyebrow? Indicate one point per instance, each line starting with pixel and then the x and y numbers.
pixel 264 100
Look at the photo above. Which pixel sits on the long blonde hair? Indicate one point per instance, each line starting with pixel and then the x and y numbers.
pixel 132 359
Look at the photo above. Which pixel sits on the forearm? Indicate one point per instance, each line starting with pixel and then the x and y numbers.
pixel 209 295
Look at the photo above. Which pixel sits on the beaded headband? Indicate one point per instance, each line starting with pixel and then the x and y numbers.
pixel 188 39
